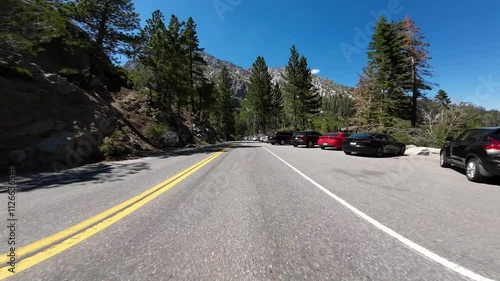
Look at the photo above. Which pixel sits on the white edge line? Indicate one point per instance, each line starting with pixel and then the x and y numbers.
pixel 407 242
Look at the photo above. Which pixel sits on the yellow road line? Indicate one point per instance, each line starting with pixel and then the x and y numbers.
pixel 128 207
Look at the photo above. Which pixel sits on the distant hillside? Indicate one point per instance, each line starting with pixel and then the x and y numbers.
pixel 241 77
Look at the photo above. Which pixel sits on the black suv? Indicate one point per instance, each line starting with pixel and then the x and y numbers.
pixel 279 137
pixel 307 138
pixel 475 150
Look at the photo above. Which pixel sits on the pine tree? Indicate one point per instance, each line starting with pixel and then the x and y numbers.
pixel 417 66
pixel 111 25
pixel 311 100
pixel 369 112
pixel 260 94
pixel 152 52
pixel 176 64
pixel 302 99
pixel 386 61
pixel 24 27
pixel 442 98
pixel 292 86
pixel 277 105
pixel 195 64
pixel 223 111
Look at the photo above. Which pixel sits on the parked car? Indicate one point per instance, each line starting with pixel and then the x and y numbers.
pixel 475 150
pixel 372 144
pixel 280 138
pixel 334 140
pixel 307 138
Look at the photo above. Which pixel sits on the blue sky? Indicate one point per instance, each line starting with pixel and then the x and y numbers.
pixel 465 46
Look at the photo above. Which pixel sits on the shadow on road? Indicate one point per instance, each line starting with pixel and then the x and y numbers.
pixel 106 171
pixel 489 181
pixel 207 149
pixel 96 174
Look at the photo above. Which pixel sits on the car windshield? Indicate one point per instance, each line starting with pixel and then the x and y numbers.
pixel 299 133
pixel 331 134
pixel 361 136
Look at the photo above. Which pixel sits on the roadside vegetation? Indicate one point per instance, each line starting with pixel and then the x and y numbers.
pixel 395 93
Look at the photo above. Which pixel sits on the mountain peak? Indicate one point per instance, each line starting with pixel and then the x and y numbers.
pixel 241 77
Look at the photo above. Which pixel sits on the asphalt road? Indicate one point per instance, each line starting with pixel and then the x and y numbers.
pixel 248 215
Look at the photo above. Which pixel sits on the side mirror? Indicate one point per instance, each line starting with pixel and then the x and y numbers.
pixel 449 139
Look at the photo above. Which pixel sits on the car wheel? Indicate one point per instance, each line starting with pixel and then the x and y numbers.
pixel 402 151
pixel 473 169
pixel 295 145
pixel 322 147
pixel 310 144
pixel 443 160
pixel 273 143
pixel 347 152
pixel 379 152
pixel 282 142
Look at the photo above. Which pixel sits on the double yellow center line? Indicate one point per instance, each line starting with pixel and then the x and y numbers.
pixel 93 225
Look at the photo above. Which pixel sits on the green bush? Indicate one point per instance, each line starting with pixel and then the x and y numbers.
pixel 15 72
pixel 75 76
pixel 157 132
pixel 114 145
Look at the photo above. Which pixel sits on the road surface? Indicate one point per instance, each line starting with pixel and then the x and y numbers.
pixel 257 212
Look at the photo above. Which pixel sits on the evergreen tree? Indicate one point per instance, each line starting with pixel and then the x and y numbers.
pixel 223 111
pixel 176 64
pixel 25 27
pixel 291 87
pixel 277 105
pixel 152 52
pixel 195 64
pixel 442 98
pixel 310 99
pixel 417 66
pixel 302 99
pixel 386 62
pixel 110 23
pixel 370 113
pixel 260 94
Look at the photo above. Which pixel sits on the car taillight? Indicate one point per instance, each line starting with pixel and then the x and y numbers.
pixel 494 146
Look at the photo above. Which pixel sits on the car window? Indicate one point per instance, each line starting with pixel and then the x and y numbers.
pixel 380 137
pixel 390 138
pixel 332 135
pixel 299 133
pixel 475 135
pixel 361 136
pixel 463 136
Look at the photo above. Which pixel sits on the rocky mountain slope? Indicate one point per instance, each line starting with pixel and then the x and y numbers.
pixel 241 76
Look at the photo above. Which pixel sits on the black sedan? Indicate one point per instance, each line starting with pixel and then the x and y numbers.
pixel 372 144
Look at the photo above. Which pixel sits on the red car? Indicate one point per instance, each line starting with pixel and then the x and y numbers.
pixel 334 140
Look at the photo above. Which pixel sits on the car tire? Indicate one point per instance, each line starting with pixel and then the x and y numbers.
pixel 402 150
pixel 295 145
pixel 443 160
pixel 473 170
pixel 273 143
pixel 347 152
pixel 379 152
pixel 282 142
pixel 322 147
pixel 310 144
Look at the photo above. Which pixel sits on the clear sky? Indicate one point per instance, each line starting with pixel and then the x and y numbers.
pixel 331 34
